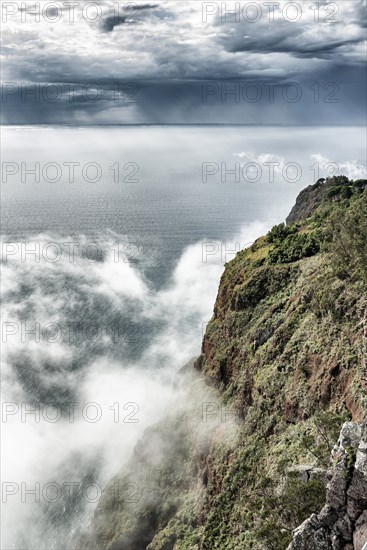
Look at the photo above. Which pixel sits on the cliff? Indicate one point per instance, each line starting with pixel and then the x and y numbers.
pixel 246 461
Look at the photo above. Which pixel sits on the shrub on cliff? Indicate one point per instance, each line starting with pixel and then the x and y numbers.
pixel 291 244
pixel 348 246
pixel 297 246
pixel 279 232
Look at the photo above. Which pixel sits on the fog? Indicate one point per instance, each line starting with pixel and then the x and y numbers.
pixel 92 396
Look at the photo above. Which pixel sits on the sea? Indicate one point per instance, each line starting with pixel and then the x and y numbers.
pixel 114 239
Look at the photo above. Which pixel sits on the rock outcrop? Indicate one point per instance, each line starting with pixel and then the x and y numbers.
pixel 314 196
pixel 342 522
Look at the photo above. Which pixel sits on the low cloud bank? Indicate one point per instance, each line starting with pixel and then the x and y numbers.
pixel 90 353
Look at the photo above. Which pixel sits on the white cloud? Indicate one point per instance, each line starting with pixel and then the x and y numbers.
pixel 353 169
pixel 35 373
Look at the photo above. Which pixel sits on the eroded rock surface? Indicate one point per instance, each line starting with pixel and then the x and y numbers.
pixel 342 523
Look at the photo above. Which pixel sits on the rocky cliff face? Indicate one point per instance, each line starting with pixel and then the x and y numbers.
pixel 324 191
pixel 283 367
pixel 342 522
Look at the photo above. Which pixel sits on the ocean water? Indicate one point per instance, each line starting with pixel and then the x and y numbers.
pixel 114 240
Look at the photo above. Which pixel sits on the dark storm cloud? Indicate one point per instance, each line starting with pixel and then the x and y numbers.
pixel 64 103
pixel 313 40
pixel 138 7
pixel 286 44
pixel 112 21
pixel 170 53
pixel 109 22
pixel 339 100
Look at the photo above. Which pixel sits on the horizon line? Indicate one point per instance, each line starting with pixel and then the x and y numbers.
pixel 183 124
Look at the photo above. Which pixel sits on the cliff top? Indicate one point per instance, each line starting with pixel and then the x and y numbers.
pixel 322 192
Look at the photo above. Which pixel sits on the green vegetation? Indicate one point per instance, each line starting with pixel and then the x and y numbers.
pixel 286 349
pixel 293 244
pixel 347 229
pixel 348 235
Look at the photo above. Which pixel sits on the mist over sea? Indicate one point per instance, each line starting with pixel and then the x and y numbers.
pixel 114 240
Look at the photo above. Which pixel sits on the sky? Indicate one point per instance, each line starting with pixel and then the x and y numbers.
pixel 185 62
